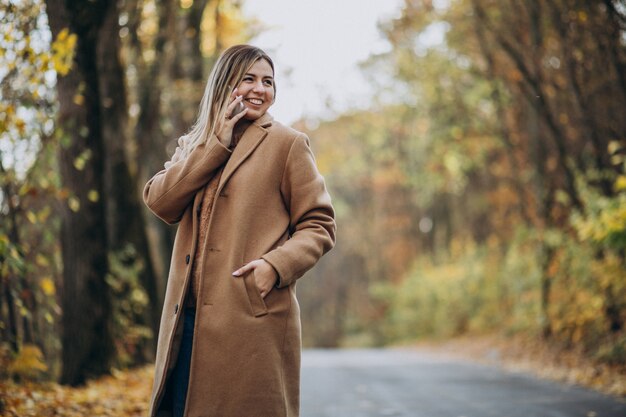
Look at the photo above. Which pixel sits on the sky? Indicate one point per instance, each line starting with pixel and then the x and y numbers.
pixel 316 46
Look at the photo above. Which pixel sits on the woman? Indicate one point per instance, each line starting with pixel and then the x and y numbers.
pixel 254 215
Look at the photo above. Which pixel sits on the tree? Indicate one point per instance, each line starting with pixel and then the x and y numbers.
pixel 86 334
pixel 126 230
pixel 489 171
pixel 28 181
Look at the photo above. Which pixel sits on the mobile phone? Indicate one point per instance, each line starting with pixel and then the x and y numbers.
pixel 238 109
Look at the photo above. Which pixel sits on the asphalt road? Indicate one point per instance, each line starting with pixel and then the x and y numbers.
pixel 395 382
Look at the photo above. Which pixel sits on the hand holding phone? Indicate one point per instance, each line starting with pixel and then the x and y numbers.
pixel 238 109
pixel 234 112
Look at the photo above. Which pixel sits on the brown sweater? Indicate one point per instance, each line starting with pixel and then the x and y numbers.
pixel 203 222
pixel 204 212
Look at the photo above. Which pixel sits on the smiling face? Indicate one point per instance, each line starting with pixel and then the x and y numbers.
pixel 257 89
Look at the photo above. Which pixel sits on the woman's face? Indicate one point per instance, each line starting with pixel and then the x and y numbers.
pixel 257 89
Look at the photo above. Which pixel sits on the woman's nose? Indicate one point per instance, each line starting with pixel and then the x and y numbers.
pixel 258 87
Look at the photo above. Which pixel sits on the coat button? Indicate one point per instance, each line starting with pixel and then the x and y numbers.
pixel 187 259
pixel 176 309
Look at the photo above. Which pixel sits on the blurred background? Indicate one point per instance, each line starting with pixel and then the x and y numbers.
pixel 475 151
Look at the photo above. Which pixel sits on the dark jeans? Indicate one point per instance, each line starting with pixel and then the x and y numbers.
pixel 179 380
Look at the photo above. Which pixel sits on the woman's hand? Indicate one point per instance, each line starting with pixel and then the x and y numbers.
pixel 224 131
pixel 265 275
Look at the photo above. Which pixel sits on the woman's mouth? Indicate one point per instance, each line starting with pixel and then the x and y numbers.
pixel 255 101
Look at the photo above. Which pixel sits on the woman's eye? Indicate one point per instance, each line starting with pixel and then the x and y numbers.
pixel 269 82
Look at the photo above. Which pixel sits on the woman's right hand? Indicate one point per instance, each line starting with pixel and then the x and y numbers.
pixel 224 131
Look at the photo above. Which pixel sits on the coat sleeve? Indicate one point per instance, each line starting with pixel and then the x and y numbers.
pixel 171 190
pixel 312 218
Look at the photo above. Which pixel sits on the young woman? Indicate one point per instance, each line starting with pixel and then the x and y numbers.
pixel 254 215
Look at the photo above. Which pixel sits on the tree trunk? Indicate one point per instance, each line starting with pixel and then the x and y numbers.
pixel 612 310
pixel 539 154
pixel 9 332
pixel 546 254
pixel 187 68
pixel 591 128
pixel 151 142
pixel 124 213
pixel 616 22
pixel 533 89
pixel 86 340
pixel 504 136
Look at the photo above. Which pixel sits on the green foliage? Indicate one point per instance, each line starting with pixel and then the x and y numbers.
pixel 31 62
pixel 458 295
pixel 613 352
pixel 604 220
pixel 13 260
pixel 456 202
pixel 129 305
pixel 27 91
pixel 29 187
pixel 486 289
pixel 576 308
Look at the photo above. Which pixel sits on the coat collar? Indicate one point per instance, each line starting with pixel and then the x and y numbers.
pixel 251 138
pixel 264 121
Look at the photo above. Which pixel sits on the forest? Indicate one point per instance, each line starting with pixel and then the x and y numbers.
pixel 483 191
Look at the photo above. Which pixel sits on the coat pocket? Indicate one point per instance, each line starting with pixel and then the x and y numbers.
pixel 254 295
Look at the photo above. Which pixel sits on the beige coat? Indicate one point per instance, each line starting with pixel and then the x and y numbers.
pixel 271 203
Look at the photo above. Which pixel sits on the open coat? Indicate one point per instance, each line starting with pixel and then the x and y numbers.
pixel 271 203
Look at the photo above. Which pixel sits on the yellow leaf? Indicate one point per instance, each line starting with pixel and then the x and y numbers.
pixel 79 163
pixel 614 146
pixel 31 217
pixel 620 183
pixel 14 253
pixel 62 36
pixel 73 203
pixel 44 214
pixel 20 124
pixel 81 160
pixel 41 260
pixel 93 196
pixel 79 99
pixel 63 49
pixel 47 285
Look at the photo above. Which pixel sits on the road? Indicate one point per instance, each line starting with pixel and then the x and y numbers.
pixel 402 382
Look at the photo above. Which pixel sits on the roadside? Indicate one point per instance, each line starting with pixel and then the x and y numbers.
pixel 530 355
pixel 124 393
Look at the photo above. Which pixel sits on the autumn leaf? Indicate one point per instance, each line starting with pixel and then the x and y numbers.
pixel 47 285
pixel 63 49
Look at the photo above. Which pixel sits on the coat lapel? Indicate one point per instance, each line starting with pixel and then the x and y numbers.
pixel 251 138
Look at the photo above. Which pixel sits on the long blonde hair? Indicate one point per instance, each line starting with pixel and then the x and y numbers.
pixel 226 74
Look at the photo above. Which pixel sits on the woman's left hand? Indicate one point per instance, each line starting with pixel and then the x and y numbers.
pixel 265 275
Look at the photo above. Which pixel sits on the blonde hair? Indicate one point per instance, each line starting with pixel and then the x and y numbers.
pixel 227 73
